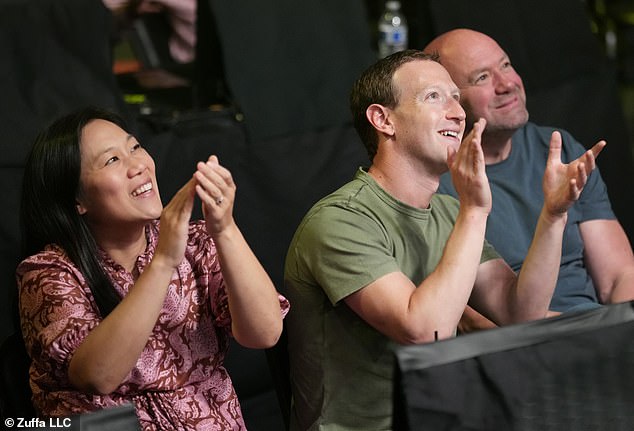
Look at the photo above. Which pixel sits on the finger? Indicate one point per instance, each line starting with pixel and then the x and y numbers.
pixel 592 154
pixel 476 155
pixel 582 176
pixel 597 148
pixel 479 127
pixel 183 199
pixel 588 162
pixel 451 156
pixel 554 149
pixel 217 173
pixel 209 179
pixel 223 172
pixel 574 189
pixel 188 206
pixel 476 131
pixel 208 200
pixel 207 191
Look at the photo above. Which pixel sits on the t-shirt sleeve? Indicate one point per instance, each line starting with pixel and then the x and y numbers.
pixel 342 251
pixel 489 252
pixel 594 201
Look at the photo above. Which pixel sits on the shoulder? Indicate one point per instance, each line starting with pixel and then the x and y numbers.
pixel 340 220
pixel 348 200
pixel 357 203
pixel 51 259
pixel 532 131
pixel 50 274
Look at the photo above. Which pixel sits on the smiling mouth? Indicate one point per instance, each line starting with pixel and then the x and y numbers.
pixel 449 133
pixel 507 103
pixel 143 189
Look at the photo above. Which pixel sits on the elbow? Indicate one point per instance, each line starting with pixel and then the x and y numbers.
pixel 619 290
pixel 101 388
pixel 264 337
pixel 408 336
pixel 94 386
pixel 263 341
pixel 92 383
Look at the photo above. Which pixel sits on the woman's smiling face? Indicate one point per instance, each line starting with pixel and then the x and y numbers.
pixel 118 179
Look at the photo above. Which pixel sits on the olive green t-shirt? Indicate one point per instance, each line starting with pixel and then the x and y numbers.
pixel 341 367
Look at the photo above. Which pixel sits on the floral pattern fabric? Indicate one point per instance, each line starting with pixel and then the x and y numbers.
pixel 179 381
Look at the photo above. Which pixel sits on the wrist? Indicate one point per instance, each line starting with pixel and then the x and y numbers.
pixel 163 263
pixel 554 218
pixel 474 213
pixel 226 233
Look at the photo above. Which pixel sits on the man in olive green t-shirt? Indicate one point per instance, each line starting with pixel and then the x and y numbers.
pixel 385 261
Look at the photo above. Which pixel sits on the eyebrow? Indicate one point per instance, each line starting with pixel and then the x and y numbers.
pixel 484 69
pixel 112 147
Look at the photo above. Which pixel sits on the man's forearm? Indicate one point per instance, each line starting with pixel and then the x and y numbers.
pixel 538 276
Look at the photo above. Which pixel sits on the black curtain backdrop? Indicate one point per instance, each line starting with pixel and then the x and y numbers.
pixel 289 64
pixel 56 56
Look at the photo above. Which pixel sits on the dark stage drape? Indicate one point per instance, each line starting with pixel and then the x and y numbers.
pixel 55 56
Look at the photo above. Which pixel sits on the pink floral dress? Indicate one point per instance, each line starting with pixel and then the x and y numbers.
pixel 179 381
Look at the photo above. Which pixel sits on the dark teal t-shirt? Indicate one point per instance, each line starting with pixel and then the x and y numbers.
pixel 516 185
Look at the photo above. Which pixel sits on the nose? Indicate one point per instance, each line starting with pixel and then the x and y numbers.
pixel 136 165
pixel 503 82
pixel 456 111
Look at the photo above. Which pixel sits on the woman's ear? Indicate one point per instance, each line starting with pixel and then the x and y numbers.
pixel 378 116
pixel 81 210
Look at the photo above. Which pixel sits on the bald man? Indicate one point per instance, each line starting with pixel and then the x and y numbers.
pixel 597 263
pixel 385 261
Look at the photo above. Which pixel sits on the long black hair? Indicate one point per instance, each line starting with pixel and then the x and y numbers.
pixel 48 210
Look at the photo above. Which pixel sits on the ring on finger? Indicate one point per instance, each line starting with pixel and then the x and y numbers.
pixel 219 200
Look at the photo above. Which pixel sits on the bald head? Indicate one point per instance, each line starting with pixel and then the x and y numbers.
pixel 460 51
pixel 489 85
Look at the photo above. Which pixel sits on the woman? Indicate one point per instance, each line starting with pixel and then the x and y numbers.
pixel 117 306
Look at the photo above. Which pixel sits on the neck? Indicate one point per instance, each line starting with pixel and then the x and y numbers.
pixel 409 184
pixel 496 146
pixel 123 245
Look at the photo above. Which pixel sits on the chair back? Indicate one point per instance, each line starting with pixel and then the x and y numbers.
pixel 15 391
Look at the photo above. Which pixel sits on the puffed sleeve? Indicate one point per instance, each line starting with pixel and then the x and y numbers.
pixel 57 309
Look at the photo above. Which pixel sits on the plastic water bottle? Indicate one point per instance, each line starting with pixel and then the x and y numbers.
pixel 392 28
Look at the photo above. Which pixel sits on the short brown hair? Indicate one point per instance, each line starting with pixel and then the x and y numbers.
pixel 375 86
